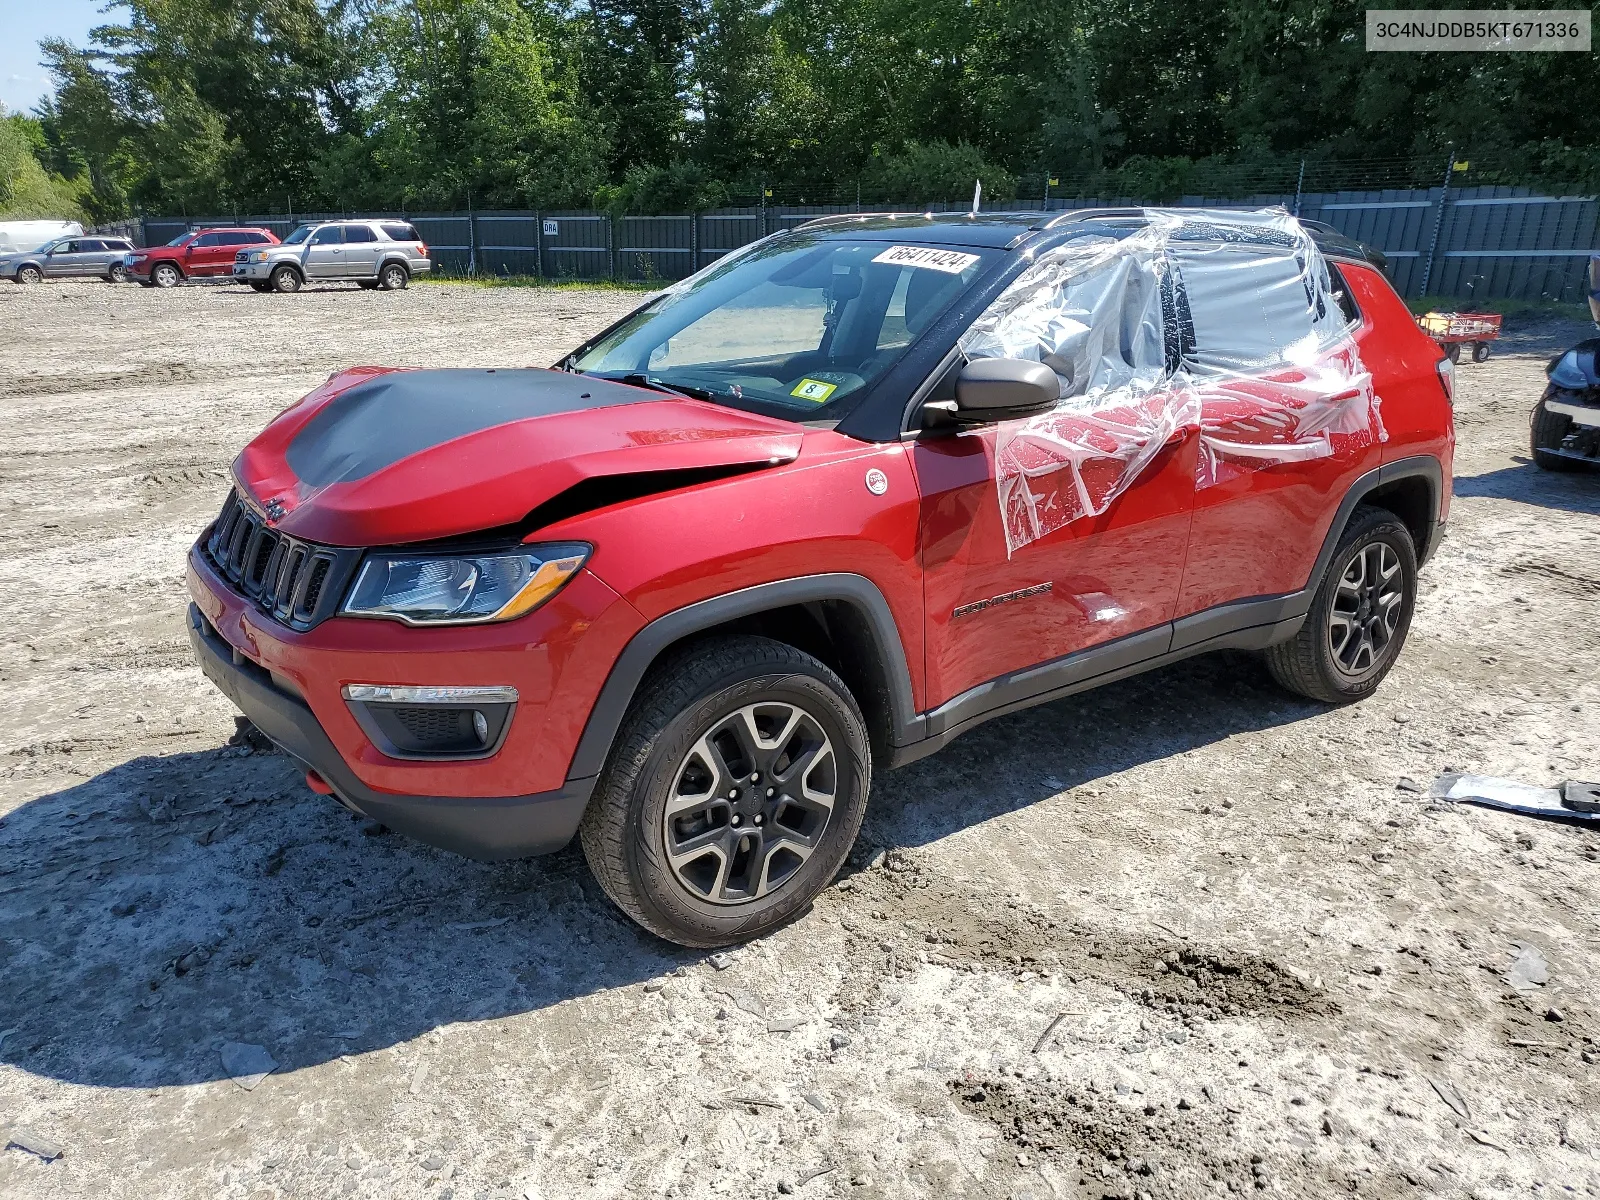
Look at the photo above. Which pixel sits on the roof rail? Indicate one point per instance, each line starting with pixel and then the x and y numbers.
pixel 1090 214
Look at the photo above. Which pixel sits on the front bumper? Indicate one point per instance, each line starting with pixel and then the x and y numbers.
pixel 486 828
pixel 254 272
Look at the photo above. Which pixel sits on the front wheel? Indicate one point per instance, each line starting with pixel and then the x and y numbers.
pixel 285 279
pixel 30 274
pixel 1359 617
pixel 733 794
pixel 1453 352
pixel 165 275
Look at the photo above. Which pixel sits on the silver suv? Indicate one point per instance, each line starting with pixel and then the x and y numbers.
pixel 375 254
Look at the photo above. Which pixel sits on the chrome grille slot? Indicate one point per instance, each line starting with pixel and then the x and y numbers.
pixel 298 583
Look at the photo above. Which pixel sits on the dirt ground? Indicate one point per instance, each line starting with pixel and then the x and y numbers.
pixel 1185 936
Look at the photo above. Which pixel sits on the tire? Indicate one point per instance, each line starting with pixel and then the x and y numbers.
pixel 29 274
pixel 393 277
pixel 166 275
pixel 1480 352
pixel 698 699
pixel 117 273
pixel 1377 562
pixel 1453 352
pixel 285 279
pixel 1547 432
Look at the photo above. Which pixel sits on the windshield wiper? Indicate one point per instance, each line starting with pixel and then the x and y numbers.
pixel 639 379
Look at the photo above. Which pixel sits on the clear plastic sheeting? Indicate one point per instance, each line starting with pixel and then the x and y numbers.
pixel 1224 323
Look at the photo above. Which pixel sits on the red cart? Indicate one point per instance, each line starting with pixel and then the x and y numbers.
pixel 1453 330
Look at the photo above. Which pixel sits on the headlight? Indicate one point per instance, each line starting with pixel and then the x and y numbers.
pixel 462 589
pixel 258 256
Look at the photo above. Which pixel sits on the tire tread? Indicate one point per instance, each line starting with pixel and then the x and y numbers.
pixel 673 686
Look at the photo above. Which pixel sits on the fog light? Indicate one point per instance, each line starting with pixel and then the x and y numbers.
pixel 480 726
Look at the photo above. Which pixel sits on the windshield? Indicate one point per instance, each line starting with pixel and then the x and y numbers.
pixel 795 327
pixel 180 239
pixel 298 236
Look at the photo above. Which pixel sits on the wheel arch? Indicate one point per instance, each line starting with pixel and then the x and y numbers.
pixel 168 262
pixel 842 619
pixel 393 260
pixel 1411 488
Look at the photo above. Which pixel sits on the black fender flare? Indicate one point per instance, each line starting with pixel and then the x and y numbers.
pixel 605 718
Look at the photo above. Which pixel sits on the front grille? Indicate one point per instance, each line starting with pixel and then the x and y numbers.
pixel 284 576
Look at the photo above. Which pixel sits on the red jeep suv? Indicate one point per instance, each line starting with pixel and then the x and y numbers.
pixel 820 508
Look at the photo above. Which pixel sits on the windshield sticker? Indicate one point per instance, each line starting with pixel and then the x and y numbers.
pixel 815 390
pixel 951 262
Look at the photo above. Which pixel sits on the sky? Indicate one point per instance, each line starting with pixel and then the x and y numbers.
pixel 23 82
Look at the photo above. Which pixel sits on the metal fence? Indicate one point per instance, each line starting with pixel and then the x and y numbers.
pixel 1484 243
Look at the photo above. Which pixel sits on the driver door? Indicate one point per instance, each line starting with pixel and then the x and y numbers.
pixel 325 255
pixel 65 260
pixel 1099 560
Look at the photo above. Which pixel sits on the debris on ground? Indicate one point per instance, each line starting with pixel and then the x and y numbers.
pixel 1573 800
pixel 1529 970
pixel 22 1139
pixel 247 1065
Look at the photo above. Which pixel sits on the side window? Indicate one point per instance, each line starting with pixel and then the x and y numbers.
pixel 118 244
pixel 254 239
pixel 1251 310
pixel 401 233
pixel 91 245
pixel 359 233
pixel 231 239
pixel 328 235
pixel 208 239
pixel 69 248
pixel 1089 312
pixel 1341 293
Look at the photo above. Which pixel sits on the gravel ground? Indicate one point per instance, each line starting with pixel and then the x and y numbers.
pixel 1184 936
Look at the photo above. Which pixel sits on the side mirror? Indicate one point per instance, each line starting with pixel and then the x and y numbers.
pixel 1003 389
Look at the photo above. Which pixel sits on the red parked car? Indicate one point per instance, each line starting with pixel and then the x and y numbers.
pixel 815 511
pixel 198 254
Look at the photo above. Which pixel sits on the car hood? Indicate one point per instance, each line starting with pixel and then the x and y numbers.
pixel 379 456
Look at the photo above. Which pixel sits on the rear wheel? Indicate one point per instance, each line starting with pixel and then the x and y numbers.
pixel 1480 352
pixel 30 274
pixel 165 275
pixel 1453 352
pixel 1548 431
pixel 393 277
pixel 116 273
pixel 734 792
pixel 1359 617
pixel 285 279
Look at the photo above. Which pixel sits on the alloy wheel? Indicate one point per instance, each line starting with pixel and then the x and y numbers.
pixel 1366 610
pixel 750 802
pixel 30 274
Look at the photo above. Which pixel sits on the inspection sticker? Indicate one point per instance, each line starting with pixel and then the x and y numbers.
pixel 951 262
pixel 815 390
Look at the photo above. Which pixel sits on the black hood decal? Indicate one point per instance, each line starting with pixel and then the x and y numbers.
pixel 376 424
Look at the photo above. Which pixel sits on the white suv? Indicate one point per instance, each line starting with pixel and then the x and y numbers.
pixel 374 254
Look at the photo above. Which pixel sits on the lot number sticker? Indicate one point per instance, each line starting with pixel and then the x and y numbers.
pixel 551 229
pixel 814 390
pixel 951 262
